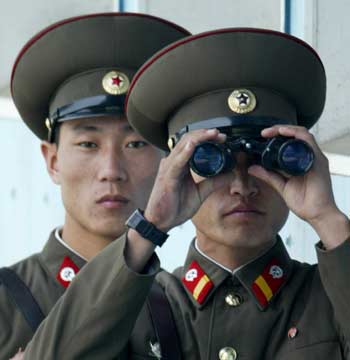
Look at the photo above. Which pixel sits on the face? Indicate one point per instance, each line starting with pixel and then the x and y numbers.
pixel 105 171
pixel 247 213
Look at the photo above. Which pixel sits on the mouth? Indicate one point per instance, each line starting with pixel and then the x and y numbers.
pixel 112 201
pixel 243 211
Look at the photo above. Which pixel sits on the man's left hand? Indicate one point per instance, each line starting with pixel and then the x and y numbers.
pixel 309 196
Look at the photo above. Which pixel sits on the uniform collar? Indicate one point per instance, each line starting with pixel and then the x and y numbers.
pixel 59 239
pixel 232 272
pixel 263 277
pixel 60 261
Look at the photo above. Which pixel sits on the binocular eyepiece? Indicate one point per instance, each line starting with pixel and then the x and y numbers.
pixel 292 156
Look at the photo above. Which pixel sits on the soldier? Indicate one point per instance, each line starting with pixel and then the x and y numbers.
pixel 236 105
pixel 69 84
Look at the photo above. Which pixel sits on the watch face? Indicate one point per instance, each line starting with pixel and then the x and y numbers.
pixel 146 229
pixel 134 219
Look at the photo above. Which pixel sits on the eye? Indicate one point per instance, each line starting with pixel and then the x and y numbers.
pixel 136 144
pixel 87 144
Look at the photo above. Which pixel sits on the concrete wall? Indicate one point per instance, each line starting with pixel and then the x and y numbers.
pixel 327 28
pixel 21 19
pixel 203 15
pixel 333 39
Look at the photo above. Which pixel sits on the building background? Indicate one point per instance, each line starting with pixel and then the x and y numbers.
pixel 30 205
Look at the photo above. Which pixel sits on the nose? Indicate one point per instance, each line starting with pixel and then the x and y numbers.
pixel 243 184
pixel 112 166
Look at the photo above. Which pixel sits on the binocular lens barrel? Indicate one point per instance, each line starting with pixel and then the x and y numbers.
pixel 292 156
pixel 295 157
pixel 208 159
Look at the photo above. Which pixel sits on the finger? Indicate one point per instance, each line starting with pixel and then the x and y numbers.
pixel 297 132
pixel 276 130
pixel 178 163
pixel 275 180
pixel 201 135
pixel 301 133
pixel 183 151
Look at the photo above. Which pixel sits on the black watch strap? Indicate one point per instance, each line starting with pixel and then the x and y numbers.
pixel 145 228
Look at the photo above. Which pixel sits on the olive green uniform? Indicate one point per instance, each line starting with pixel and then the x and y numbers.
pixel 40 272
pixel 307 316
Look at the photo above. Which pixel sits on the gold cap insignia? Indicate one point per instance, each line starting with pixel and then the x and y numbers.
pixel 115 83
pixel 48 124
pixel 171 142
pixel 242 101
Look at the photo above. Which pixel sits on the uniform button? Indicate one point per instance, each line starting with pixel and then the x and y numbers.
pixel 228 353
pixel 233 300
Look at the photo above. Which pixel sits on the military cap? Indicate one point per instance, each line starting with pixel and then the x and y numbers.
pixel 243 77
pixel 83 66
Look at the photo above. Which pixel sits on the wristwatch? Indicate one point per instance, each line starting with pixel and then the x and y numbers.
pixel 145 228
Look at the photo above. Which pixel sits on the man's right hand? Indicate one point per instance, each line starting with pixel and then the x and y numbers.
pixel 176 197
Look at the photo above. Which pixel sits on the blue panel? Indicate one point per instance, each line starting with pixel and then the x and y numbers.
pixel 287 16
pixel 294 17
pixel 121 5
pixel 128 5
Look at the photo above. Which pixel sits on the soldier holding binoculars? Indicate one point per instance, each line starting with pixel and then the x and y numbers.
pixel 236 105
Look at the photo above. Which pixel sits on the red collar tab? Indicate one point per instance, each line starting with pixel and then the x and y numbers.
pixel 197 282
pixel 67 271
pixel 267 284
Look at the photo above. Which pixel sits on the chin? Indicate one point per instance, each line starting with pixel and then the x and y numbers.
pixel 246 237
pixel 108 230
pixel 242 227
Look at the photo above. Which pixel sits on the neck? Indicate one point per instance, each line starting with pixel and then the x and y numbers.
pixel 228 255
pixel 83 241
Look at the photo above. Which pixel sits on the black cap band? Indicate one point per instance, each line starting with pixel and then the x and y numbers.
pixel 100 105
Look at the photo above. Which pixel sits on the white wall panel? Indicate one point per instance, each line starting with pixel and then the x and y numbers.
pixel 30 204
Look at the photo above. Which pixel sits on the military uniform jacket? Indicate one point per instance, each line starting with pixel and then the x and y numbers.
pixel 272 308
pixel 44 274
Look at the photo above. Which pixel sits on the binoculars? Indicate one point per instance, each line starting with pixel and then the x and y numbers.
pixel 289 155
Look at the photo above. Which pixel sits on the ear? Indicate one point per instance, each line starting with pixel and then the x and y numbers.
pixel 49 152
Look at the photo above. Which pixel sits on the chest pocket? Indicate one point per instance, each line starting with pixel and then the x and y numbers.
pixel 317 335
pixel 325 350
